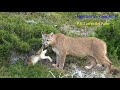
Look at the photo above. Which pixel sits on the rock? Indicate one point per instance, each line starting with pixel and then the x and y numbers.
pixel 78 72
pixel 15 57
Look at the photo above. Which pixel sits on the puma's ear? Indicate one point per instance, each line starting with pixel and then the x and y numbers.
pixel 42 33
pixel 51 34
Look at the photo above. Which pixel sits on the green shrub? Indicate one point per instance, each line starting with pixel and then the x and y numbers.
pixel 23 47
pixel 35 43
pixel 111 35
pixel 20 36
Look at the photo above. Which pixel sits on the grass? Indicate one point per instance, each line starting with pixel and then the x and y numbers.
pixel 40 70
pixel 19 70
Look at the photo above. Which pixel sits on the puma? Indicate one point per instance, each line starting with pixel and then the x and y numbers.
pixel 93 48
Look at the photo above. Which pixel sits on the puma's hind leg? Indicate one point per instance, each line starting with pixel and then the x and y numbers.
pixel 92 62
pixel 104 61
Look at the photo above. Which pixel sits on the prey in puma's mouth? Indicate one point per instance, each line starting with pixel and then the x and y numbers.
pixel 38 56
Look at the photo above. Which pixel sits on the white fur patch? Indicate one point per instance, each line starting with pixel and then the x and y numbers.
pixel 88 67
pixel 36 58
pixel 42 55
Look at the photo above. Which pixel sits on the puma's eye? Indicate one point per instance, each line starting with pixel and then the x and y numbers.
pixel 47 40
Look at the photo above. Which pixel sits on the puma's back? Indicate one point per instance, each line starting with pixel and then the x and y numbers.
pixel 84 46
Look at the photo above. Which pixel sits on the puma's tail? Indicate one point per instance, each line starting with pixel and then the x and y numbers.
pixel 114 70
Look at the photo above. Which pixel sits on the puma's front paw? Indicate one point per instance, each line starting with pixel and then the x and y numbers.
pixel 99 65
pixel 60 67
pixel 87 67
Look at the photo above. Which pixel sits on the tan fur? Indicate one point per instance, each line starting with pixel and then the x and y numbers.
pixel 94 48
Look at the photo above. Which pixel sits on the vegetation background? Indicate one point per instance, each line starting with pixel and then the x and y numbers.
pixel 20 35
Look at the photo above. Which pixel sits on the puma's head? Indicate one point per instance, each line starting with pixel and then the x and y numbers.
pixel 47 39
